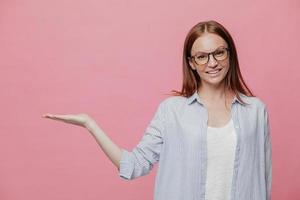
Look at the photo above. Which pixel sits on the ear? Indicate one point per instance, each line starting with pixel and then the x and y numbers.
pixel 192 64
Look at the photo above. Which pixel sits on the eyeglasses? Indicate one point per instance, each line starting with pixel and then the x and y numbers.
pixel 202 58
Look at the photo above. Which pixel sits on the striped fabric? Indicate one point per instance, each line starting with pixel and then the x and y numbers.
pixel 176 139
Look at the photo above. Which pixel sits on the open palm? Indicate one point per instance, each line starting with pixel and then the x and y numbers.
pixel 77 119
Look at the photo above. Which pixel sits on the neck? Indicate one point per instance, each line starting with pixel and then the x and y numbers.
pixel 213 92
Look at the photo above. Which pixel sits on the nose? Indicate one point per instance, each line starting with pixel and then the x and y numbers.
pixel 211 61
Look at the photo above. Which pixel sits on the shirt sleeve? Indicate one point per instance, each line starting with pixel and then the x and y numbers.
pixel 268 154
pixel 141 159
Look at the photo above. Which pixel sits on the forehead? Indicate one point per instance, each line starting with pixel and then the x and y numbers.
pixel 208 43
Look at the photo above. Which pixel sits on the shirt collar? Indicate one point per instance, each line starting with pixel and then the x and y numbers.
pixel 196 96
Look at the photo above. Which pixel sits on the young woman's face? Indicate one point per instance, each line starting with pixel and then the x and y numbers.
pixel 215 70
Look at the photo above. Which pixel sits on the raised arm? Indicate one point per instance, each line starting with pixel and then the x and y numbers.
pixel 112 151
pixel 141 159
pixel 132 164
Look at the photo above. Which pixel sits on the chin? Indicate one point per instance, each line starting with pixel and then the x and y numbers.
pixel 214 81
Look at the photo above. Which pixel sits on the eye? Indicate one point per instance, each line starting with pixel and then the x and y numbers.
pixel 220 52
pixel 201 57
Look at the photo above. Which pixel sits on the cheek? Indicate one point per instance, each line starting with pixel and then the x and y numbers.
pixel 226 69
pixel 201 72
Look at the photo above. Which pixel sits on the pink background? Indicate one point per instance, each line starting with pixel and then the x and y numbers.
pixel 115 60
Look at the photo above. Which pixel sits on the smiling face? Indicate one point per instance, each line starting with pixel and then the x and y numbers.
pixel 214 71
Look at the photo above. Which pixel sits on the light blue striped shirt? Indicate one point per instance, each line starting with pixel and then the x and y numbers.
pixel 176 139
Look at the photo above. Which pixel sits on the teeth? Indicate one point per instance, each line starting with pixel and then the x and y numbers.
pixel 214 72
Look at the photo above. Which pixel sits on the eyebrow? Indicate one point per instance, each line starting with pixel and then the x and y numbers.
pixel 211 51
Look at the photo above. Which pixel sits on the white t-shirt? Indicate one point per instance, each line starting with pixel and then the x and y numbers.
pixel 221 142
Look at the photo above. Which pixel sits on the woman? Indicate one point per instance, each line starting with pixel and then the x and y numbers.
pixel 211 139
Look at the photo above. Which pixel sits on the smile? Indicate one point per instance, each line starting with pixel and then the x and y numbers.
pixel 214 72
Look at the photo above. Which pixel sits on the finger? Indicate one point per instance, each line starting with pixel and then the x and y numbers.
pixel 58 117
pixel 47 115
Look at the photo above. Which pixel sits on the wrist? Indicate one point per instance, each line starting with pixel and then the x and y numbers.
pixel 90 125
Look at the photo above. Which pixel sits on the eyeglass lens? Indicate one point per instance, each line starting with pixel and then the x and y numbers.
pixel 219 54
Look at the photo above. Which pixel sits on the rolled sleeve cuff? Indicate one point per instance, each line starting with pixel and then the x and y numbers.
pixel 126 165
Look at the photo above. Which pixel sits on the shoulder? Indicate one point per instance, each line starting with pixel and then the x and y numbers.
pixel 172 104
pixel 255 106
pixel 255 101
pixel 173 101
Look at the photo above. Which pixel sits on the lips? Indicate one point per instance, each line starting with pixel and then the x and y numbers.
pixel 214 71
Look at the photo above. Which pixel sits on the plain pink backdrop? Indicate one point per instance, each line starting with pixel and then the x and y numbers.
pixel 115 60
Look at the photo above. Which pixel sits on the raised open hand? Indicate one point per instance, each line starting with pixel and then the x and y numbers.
pixel 78 119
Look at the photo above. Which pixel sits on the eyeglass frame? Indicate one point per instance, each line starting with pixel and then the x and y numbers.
pixel 208 55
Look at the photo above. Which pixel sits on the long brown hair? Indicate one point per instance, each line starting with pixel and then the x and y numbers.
pixel 233 80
